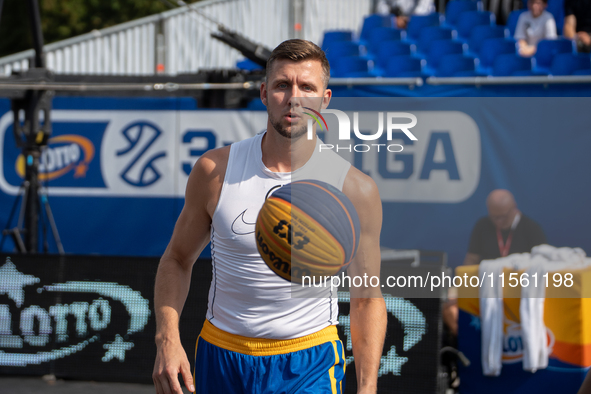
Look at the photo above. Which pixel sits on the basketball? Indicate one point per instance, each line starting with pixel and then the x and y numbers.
pixel 307 228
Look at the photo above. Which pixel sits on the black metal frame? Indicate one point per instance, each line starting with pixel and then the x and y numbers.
pixel 31 135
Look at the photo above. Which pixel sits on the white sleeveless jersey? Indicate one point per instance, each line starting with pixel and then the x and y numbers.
pixel 245 297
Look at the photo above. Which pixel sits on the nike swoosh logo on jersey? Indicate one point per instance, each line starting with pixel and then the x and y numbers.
pixel 241 226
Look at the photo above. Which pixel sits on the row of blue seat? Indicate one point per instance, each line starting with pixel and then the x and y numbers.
pixel 423 41
pixel 460 65
pixel 437 50
pixel 465 36
pixel 461 15
pixel 464 41
pixel 457 65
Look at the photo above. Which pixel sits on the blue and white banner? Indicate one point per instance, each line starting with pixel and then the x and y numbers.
pixel 124 153
pixel 116 169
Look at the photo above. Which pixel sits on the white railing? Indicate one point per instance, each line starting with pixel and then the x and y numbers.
pixel 119 50
pixel 321 15
pixel 179 41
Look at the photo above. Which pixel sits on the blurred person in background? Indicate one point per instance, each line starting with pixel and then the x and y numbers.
pixel 504 231
pixel 533 26
pixel 577 23
pixel 404 9
pixel 502 9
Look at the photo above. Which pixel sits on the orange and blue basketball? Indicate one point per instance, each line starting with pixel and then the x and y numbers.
pixel 307 228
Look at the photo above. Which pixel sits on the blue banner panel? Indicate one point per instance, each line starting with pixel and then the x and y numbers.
pixel 116 169
pixel 434 189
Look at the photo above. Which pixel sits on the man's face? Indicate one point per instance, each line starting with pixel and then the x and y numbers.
pixel 502 216
pixel 536 7
pixel 284 93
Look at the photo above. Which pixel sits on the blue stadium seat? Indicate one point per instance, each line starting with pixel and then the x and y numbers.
pixel 481 33
pixel 582 72
pixel 570 63
pixel 331 36
pixel 340 49
pixel 547 50
pixel 439 49
pixel 381 34
pixel 510 64
pixel 556 8
pixel 512 20
pixel 418 22
pixel 468 20
pixel 403 67
pixel 491 48
pixel 430 34
pixel 456 66
pixel 373 21
pixel 248 65
pixel 391 48
pixel 454 8
pixel 351 67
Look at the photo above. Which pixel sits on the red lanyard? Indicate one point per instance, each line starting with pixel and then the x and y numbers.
pixel 505 246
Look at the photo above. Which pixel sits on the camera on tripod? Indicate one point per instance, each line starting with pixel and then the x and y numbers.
pixel 32 128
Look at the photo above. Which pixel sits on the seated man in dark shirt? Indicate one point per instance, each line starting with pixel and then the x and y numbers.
pixel 504 231
pixel 577 23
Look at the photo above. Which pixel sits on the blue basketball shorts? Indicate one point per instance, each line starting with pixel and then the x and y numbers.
pixel 227 363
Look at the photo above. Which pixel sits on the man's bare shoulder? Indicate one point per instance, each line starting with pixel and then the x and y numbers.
pixel 206 179
pixel 360 187
pixel 212 164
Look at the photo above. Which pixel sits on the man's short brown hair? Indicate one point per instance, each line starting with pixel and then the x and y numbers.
pixel 299 50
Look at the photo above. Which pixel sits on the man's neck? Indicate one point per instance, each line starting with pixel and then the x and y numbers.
pixel 282 154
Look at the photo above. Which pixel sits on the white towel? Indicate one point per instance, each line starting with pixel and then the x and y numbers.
pixel 533 329
pixel 542 260
pixel 565 255
pixel 492 311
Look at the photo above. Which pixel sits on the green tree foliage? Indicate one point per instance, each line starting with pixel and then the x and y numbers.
pixel 61 19
pixel 14 27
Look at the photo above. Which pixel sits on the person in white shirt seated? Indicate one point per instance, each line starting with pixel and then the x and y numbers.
pixel 533 26
pixel 404 9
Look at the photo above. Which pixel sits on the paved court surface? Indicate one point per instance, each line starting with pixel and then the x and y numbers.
pixel 38 385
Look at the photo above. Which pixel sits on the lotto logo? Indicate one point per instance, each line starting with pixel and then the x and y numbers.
pixel 63 329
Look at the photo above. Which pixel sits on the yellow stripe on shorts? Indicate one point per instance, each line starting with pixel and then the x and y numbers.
pixel 263 346
pixel 333 381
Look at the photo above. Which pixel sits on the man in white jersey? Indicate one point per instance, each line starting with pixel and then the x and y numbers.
pixel 257 338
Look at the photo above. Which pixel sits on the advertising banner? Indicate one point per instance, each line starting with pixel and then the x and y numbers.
pixel 115 170
pixel 92 317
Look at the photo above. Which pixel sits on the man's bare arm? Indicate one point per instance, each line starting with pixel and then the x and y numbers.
pixel 570 26
pixel 190 236
pixel 368 309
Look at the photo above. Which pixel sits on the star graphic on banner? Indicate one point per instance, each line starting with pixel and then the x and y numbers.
pixel 12 282
pixel 116 349
pixel 391 363
pixel 475 322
